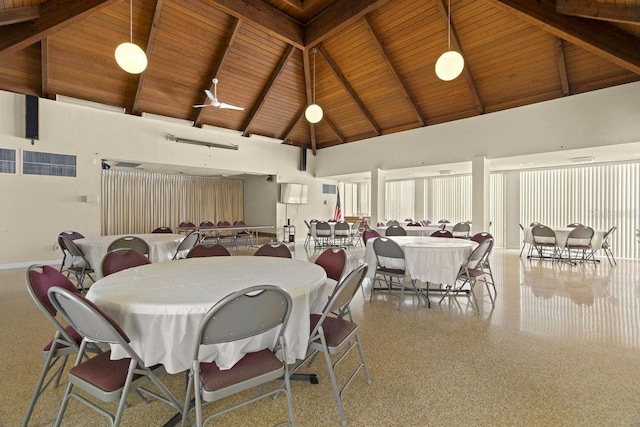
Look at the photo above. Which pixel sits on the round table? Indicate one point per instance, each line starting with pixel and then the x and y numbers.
pixel 427 259
pixel 162 247
pixel 159 306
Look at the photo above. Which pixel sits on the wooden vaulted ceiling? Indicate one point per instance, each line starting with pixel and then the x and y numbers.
pixel 374 59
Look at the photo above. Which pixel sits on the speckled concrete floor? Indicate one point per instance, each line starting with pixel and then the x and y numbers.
pixel 560 348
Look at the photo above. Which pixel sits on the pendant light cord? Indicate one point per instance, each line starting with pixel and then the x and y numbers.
pixel 314 75
pixel 449 26
pixel 131 21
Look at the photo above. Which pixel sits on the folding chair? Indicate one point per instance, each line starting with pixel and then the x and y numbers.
pixel 66 257
pixel 369 234
pixel 203 250
pixel 606 245
pixel 307 241
pixel 243 234
pixel 81 267
pixel 274 249
pixel 187 243
pixel 461 230
pixel 333 335
pixel 246 313
pixel 544 242
pixel 66 341
pixel 395 230
pixel 390 265
pixel 104 379
pixel 579 239
pixel 164 230
pixel 121 259
pixel 442 233
pixel 341 234
pixel 333 261
pixel 470 273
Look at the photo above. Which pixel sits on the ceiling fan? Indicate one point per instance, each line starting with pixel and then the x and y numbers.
pixel 213 98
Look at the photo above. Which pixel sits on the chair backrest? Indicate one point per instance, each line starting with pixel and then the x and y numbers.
pixel 187 224
pixel 425 222
pixel 481 237
pixel 574 224
pixel 71 235
pixel 462 227
pixel 323 228
pixel 74 250
pixel 380 224
pixel 542 234
pixel 443 221
pixel 274 249
pixel 533 224
pixel 392 222
pixel 333 261
pixel 130 242
pixel 607 235
pixel 187 243
pixel 342 295
pixel 245 313
pixel 342 229
pixel 307 224
pixel 239 223
pixel 395 230
pixel 223 224
pixel 356 226
pixel 166 230
pixel 476 256
pixel 207 224
pixel 580 235
pixel 442 233
pixel 202 250
pixel 387 250
pixel 415 224
pixel 121 259
pixel 369 234
pixel 89 320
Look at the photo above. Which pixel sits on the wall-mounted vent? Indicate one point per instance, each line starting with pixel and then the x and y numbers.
pixel 130 165
pixel 7 160
pixel 37 163
pixel 328 189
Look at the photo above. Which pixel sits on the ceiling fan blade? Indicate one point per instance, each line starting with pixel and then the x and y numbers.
pixel 201 105
pixel 230 107
pixel 210 96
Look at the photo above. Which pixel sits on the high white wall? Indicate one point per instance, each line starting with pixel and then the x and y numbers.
pixel 34 209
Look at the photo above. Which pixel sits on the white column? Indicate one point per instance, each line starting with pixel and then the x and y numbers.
pixel 480 186
pixel 419 213
pixel 378 195
pixel 513 236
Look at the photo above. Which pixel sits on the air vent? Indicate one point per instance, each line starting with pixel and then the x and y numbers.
pixel 126 165
pixel 328 189
pixel 7 160
pixel 50 164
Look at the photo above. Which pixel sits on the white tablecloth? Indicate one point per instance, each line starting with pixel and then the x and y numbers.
pixel 159 306
pixel 562 233
pixel 162 247
pixel 428 259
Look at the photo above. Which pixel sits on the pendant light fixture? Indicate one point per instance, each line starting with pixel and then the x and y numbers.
pixel 129 56
pixel 314 112
pixel 450 64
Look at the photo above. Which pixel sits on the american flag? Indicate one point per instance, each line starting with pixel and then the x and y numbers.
pixel 337 215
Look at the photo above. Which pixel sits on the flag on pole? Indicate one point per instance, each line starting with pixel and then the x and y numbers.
pixel 337 215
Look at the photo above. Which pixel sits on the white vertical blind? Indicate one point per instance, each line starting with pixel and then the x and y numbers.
pixel 400 200
pixel 364 199
pixel 599 196
pixel 451 198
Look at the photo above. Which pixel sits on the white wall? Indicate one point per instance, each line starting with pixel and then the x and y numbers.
pixel 35 209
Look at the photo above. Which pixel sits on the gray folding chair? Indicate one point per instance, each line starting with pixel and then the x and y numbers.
pixel 66 256
pixel 544 242
pixel 395 230
pixel 461 230
pixel 337 335
pixel 323 233
pixel 66 341
pixel 579 240
pixel 104 379
pixel 242 314
pixel 130 242
pixel 187 244
pixel 392 222
pixel 390 265
pixel 81 268
pixel 606 245
pixel 341 234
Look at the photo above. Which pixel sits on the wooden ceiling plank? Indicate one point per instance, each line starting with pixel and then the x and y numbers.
pixel 269 19
pixel 44 67
pixel 347 87
pixel 394 72
pixel 277 72
pixel 295 3
pixel 601 11
pixel 455 40
pixel 292 126
pixel 600 38
pixel 307 83
pixel 314 142
pixel 55 15
pixel 151 40
pixel 334 129
pixel 218 64
pixel 18 15
pixel 562 67
pixel 338 17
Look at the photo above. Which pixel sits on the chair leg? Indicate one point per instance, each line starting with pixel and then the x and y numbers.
pixel 41 386
pixel 334 384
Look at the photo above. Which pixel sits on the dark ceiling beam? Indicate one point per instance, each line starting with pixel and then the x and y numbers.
pixel 55 15
pixel 307 84
pixel 562 67
pixel 601 11
pixel 218 64
pixel 292 126
pixel 44 67
pixel 269 19
pixel 338 17
pixel 394 72
pixel 277 72
pixel 600 38
pixel 455 41
pixel 18 15
pixel 334 129
pixel 151 41
pixel 347 87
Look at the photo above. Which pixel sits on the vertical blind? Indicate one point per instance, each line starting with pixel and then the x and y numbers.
pixel 600 196
pixel 400 201
pixel 138 202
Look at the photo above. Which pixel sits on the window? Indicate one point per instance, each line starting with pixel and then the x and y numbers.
pixel 328 189
pixel 400 203
pixel 37 163
pixel 7 160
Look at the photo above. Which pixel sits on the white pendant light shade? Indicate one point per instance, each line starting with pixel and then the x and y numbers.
pixel 313 113
pixel 449 65
pixel 131 58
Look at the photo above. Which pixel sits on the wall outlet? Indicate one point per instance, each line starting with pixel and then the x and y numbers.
pixel 56 246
